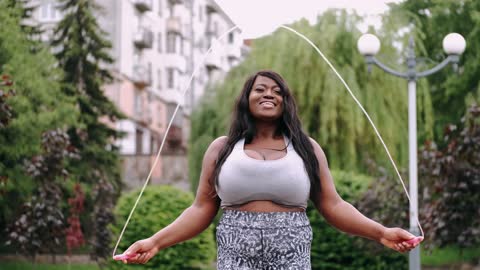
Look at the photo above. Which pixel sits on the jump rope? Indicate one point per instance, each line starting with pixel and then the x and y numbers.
pixel 215 43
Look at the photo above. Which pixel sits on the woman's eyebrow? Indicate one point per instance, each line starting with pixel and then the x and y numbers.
pixel 264 85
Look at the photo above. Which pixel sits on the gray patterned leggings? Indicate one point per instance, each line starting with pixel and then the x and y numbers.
pixel 263 241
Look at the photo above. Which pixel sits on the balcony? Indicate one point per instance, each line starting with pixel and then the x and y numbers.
pixel 174 25
pixel 174 137
pixel 211 6
pixel 175 61
pixel 141 76
pixel 145 117
pixel 143 38
pixel 213 61
pixel 176 2
pixel 143 5
pixel 233 52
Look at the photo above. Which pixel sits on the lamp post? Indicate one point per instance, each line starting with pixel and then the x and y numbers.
pixel 454 45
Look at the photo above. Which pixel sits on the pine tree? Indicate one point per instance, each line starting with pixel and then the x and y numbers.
pixel 26 8
pixel 83 54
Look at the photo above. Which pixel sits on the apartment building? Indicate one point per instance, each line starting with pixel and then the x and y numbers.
pixel 157 45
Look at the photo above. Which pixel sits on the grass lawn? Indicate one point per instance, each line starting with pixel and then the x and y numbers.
pixel 30 266
pixel 450 255
pixel 44 266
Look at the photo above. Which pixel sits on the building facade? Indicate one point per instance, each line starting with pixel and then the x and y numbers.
pixel 157 45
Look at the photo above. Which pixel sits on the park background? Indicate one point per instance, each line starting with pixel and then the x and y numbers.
pixel 65 194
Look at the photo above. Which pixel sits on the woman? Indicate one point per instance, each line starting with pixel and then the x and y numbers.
pixel 262 176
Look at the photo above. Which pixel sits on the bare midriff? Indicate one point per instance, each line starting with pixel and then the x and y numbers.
pixel 264 206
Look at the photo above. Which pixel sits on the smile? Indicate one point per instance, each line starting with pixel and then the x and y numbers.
pixel 267 104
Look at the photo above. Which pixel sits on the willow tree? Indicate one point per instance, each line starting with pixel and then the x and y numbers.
pixel 328 112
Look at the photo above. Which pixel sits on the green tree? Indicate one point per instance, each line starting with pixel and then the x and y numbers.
pixel 83 55
pixel 38 106
pixel 328 112
pixel 430 21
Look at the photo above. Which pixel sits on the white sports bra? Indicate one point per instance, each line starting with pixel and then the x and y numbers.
pixel 243 179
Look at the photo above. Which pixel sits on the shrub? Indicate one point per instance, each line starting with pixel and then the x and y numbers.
pixel 332 249
pixel 158 207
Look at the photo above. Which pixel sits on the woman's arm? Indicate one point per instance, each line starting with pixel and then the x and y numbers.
pixel 347 218
pixel 194 220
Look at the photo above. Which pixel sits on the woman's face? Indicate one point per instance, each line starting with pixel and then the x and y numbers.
pixel 265 99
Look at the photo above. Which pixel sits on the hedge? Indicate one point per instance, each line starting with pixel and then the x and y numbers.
pixel 332 249
pixel 158 207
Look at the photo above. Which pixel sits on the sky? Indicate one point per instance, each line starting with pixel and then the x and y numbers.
pixel 256 17
pixel 370 9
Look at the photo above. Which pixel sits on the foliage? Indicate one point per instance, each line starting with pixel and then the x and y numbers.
pixel 450 255
pixel 159 206
pixel 429 21
pixel 451 184
pixel 104 201
pixel 38 106
pixel 385 200
pixel 45 266
pixel 6 112
pixel 328 113
pixel 332 249
pixel 32 30
pixel 83 56
pixel 74 234
pixel 449 188
pixel 40 226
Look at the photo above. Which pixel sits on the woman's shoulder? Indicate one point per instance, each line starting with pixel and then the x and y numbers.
pixel 219 142
pixel 217 145
pixel 317 149
pixel 314 143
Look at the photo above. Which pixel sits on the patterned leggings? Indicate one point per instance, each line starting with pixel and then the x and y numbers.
pixel 263 241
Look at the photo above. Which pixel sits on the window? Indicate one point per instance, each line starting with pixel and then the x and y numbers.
pixel 170 8
pixel 171 42
pixel 159 42
pixel 159 79
pixel 200 13
pixel 150 72
pixel 160 6
pixel 181 45
pixel 49 12
pixel 159 118
pixel 138 141
pixel 215 29
pixel 231 38
pixel 45 10
pixel 153 145
pixel 138 104
pixel 170 78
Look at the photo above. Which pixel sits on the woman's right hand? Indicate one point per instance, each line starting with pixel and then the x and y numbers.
pixel 144 249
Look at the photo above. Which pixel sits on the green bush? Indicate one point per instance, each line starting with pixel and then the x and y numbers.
pixel 332 249
pixel 158 207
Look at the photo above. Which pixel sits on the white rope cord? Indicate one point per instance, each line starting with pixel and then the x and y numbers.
pixel 188 86
pixel 214 41
pixel 363 110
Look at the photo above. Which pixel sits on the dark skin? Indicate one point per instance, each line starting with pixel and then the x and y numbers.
pixel 266 105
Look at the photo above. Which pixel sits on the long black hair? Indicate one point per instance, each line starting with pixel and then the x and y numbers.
pixel 243 126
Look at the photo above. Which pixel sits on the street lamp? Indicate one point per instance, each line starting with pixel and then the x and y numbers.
pixel 454 45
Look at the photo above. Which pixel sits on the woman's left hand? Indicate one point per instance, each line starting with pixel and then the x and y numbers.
pixel 396 239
